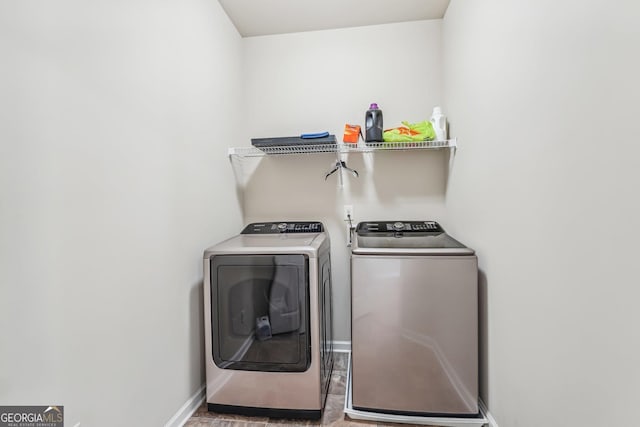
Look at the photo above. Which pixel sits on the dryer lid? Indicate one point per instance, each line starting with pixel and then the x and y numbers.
pixel 266 238
pixel 279 227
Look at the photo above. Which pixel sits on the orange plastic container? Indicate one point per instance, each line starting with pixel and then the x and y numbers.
pixel 351 133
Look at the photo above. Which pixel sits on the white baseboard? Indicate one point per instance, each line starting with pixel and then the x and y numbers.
pixel 491 421
pixel 187 410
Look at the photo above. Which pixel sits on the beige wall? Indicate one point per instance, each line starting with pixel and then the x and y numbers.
pixel 317 81
pixel 114 123
pixel 544 98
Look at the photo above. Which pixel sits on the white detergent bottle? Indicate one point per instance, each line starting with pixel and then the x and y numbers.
pixel 439 122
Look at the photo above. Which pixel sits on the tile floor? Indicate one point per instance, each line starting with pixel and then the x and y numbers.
pixel 333 414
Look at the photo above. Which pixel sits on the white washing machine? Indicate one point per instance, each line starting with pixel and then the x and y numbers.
pixel 268 330
pixel 414 322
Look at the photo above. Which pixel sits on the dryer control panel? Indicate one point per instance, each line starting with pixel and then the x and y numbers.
pixel 283 227
pixel 405 227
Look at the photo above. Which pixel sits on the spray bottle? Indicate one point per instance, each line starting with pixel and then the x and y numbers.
pixel 439 122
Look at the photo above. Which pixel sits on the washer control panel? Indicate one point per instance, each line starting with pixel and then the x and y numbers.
pixel 283 227
pixel 404 227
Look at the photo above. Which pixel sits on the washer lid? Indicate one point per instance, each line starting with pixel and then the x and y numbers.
pixel 410 227
pixel 407 238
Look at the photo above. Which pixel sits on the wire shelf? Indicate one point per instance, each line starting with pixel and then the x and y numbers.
pixel 284 149
pixel 340 148
pixel 409 145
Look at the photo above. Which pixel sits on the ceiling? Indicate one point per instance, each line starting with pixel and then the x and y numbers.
pixel 265 17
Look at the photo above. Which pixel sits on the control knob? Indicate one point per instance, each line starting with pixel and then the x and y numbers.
pixel 282 226
pixel 398 226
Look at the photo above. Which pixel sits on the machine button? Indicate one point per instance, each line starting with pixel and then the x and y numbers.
pixel 398 225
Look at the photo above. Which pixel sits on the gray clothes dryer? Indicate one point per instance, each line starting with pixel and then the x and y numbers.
pixel 414 321
pixel 267 312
